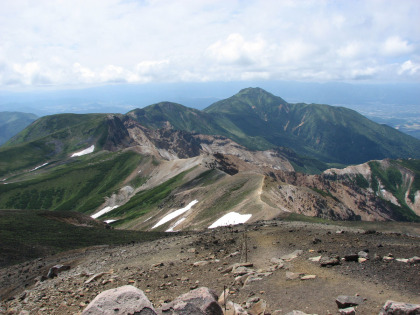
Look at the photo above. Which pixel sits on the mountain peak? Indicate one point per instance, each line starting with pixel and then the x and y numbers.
pixel 252 100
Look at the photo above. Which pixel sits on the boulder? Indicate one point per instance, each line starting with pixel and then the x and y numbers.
pixel 399 308
pixel 203 300
pixel 345 301
pixel 123 300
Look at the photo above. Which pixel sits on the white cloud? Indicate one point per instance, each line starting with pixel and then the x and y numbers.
pixel 395 46
pixel 236 50
pixel 409 67
pixel 98 41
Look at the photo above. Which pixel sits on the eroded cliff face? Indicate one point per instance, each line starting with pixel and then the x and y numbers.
pixel 262 184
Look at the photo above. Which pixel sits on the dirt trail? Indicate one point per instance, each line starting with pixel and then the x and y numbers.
pixel 164 269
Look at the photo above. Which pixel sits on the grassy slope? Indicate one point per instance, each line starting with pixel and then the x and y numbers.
pixel 42 142
pixel 13 122
pixel 80 185
pixel 28 234
pixel 392 180
pixel 51 124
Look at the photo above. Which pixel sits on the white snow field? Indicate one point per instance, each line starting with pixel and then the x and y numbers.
pixel 231 218
pixel 103 211
pixel 171 229
pixel 174 214
pixel 34 169
pixel 85 151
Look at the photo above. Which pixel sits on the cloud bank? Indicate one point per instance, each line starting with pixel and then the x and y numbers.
pixel 80 42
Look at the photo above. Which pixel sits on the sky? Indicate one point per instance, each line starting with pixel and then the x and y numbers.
pixel 78 43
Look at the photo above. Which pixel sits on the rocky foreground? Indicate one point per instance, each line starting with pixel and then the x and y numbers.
pixel 270 267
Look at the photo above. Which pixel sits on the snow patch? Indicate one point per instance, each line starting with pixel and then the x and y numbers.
pixel 231 218
pixel 174 214
pixel 38 167
pixel 103 211
pixel 85 151
pixel 171 229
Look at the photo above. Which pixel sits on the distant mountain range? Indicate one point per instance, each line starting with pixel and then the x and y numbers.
pixel 251 154
pixel 12 123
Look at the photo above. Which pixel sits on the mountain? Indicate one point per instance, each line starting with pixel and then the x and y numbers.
pixel 12 123
pixel 114 168
pixel 259 121
pixel 332 134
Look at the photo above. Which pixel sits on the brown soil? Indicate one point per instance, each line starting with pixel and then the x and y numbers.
pixel 164 270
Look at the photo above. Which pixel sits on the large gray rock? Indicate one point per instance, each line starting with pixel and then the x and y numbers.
pixel 123 300
pixel 344 301
pixel 399 308
pixel 201 301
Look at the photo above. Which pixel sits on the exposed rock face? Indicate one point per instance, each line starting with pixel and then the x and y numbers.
pixel 123 300
pixel 336 194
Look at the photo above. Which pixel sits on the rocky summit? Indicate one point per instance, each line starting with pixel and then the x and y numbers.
pixel 271 267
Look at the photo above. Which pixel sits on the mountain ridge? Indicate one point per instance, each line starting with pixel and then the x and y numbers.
pixel 145 164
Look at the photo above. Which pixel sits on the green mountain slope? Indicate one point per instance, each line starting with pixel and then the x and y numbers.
pixel 78 185
pixel 12 123
pixel 48 125
pixel 56 137
pixel 332 134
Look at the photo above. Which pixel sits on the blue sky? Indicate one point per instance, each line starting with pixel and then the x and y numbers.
pixel 78 43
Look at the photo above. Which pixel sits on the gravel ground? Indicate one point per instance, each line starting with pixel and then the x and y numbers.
pixel 164 269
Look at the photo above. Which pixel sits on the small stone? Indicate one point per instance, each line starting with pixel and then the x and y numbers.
pixel 414 260
pixel 345 301
pixel 293 255
pixel 292 276
pixel 308 277
pixel 326 261
pixel 361 260
pixel 362 254
pixel 347 311
pixel 258 308
pixel 315 259
pixel 351 257
pixel 200 263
